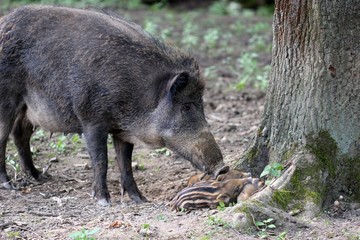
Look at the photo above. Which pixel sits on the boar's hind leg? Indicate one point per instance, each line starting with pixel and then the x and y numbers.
pixel 21 133
pixel 123 156
pixel 96 142
pixel 5 128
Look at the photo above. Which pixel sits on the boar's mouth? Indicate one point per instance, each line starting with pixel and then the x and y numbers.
pixel 202 151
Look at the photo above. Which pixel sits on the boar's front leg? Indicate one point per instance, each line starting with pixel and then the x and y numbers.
pixel 96 141
pixel 123 156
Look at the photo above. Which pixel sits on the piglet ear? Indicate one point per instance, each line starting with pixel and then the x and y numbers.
pixel 223 197
pixel 178 83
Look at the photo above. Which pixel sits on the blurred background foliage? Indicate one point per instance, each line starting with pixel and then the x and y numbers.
pixel 231 39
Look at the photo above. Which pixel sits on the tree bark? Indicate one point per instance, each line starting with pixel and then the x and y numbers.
pixel 312 111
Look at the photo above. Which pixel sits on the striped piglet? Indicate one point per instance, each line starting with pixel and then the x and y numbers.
pixel 206 194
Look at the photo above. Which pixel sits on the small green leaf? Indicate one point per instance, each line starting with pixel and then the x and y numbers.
pixel 259 223
pixel 275 173
pixel 266 171
pixel 268 220
pixel 95 230
pixel 278 166
pixel 271 226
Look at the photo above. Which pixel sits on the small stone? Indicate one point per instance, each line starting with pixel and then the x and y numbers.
pixel 135 165
pixel 83 156
pixel 241 222
pixel 336 203
pixel 146 232
pixel 54 159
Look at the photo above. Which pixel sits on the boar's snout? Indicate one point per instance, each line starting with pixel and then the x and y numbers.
pixel 207 156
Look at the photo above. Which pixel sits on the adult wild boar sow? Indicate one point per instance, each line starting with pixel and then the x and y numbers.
pixel 76 71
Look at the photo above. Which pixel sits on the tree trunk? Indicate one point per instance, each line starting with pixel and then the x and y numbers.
pixel 312 113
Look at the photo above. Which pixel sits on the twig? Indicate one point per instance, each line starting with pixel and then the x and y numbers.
pixel 46 214
pixel 4 225
pixel 49 165
pixel 71 179
pixel 253 220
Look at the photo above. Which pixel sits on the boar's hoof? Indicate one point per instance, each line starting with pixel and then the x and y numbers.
pixel 42 177
pixel 134 194
pixel 103 202
pixel 138 198
pixel 103 199
pixel 7 185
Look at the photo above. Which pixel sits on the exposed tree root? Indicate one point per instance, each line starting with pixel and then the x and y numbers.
pixel 258 207
pixel 265 194
pixel 260 211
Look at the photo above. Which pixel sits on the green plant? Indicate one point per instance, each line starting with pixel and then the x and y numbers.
pixel 145 230
pixel 211 38
pixel 210 72
pixel 133 4
pixel 282 236
pixel 163 151
pixel 258 44
pixel 221 206
pixel 166 33
pixel 84 234
pixel 238 27
pixel 60 144
pixel 219 7
pixel 75 138
pixel 150 26
pixel 189 38
pixel 39 135
pixel 265 11
pixel 161 217
pixel 206 237
pixel 264 226
pixel 272 171
pixel 141 167
pixel 13 235
pixel 258 27
pixel 217 221
pixel 10 160
pixel 251 73
pixel 145 226
pixel 159 5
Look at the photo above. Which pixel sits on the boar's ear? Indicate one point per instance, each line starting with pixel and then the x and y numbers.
pixel 220 178
pixel 178 83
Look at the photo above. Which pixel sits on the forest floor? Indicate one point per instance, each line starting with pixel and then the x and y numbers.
pixel 62 206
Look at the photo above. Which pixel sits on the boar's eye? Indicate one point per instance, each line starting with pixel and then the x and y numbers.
pixel 186 107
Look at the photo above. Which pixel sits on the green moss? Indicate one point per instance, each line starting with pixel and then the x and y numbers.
pixel 351 178
pixel 312 190
pixel 282 198
pixel 343 172
pixel 325 149
pixel 300 190
pixel 290 152
pixel 251 154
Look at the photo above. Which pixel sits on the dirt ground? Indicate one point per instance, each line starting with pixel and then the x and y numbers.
pixel 62 205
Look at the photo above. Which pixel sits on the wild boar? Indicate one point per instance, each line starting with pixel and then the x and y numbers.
pixel 79 71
